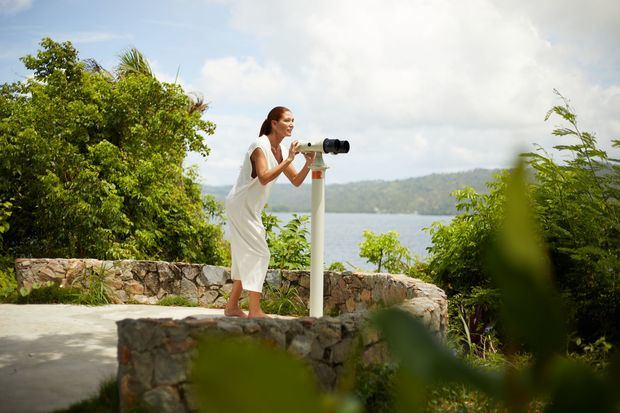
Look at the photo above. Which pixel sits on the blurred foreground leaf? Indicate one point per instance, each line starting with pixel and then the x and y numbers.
pixel 531 310
pixel 238 375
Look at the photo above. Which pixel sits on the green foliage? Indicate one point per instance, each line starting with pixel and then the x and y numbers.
pixel 93 287
pixel 106 401
pixel 175 300
pixel 283 300
pixel 575 203
pixel 375 388
pixel 49 293
pixel 93 165
pixel 90 288
pixel 288 244
pixel 531 313
pixel 336 266
pixel 256 369
pixel 8 283
pixel 385 251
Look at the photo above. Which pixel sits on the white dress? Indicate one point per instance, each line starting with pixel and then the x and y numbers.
pixel 244 204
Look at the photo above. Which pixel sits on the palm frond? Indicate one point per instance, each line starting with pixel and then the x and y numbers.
pixel 197 103
pixel 93 66
pixel 133 62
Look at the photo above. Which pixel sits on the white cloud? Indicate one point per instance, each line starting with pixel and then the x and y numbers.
pixel 471 80
pixel 230 79
pixel 10 7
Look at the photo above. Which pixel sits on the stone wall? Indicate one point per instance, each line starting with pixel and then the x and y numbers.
pixel 155 355
pixel 146 282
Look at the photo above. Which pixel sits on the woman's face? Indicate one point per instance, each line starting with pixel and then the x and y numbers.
pixel 284 127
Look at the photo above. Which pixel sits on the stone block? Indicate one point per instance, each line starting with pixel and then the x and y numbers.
pixel 165 399
pixel 301 345
pixel 189 290
pixel 211 274
pixel 169 368
pixel 208 298
pixel 134 288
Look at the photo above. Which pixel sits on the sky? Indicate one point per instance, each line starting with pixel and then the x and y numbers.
pixel 416 86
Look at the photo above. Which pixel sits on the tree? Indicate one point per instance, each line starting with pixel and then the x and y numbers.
pixel 93 164
pixel 385 250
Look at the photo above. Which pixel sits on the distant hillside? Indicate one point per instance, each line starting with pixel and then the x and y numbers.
pixel 427 195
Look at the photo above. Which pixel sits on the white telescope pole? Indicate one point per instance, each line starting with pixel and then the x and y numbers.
pixel 318 236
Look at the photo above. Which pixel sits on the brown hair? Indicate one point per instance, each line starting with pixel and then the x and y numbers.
pixel 274 114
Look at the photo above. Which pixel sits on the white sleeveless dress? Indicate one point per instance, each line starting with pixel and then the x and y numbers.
pixel 244 204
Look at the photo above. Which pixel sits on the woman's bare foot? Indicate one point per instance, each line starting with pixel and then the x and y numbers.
pixel 234 312
pixel 257 314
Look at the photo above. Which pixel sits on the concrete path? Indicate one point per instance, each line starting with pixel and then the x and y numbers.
pixel 53 355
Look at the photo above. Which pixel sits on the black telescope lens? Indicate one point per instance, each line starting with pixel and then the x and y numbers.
pixel 335 146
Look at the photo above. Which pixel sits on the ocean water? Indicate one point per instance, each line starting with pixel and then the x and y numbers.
pixel 343 233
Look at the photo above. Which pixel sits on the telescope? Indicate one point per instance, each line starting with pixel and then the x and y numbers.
pixel 333 146
pixel 318 167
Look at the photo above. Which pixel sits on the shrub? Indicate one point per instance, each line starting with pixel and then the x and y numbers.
pixel 175 300
pixel 576 205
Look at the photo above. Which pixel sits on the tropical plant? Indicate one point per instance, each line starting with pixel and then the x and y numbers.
pixel 93 163
pixel 531 311
pixel 575 203
pixel 385 251
pixel 283 300
pixel 287 244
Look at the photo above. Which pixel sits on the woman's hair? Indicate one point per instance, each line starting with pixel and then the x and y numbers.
pixel 274 114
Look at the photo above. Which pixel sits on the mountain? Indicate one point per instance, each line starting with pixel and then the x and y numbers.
pixel 426 195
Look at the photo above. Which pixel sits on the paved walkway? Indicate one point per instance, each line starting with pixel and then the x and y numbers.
pixel 53 355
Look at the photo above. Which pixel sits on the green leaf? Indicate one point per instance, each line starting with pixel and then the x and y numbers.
pixel 242 376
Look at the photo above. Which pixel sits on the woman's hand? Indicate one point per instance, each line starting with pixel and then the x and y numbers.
pixel 309 157
pixel 293 150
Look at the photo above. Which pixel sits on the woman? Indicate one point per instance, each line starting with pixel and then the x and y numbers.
pixel 263 163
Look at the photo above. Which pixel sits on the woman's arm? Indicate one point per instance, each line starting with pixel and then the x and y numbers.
pixel 297 178
pixel 259 162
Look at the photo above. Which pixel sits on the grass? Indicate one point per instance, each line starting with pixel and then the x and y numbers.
pixel 88 289
pixel 175 300
pixel 283 300
pixel 107 400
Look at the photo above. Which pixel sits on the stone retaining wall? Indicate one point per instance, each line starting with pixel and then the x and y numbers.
pixel 146 282
pixel 155 355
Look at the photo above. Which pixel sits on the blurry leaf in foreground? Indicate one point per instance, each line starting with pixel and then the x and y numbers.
pixel 240 375
pixel 425 358
pixel 531 310
pixel 576 387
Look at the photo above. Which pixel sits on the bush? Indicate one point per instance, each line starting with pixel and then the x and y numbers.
pixel 288 244
pixel 576 205
pixel 283 300
pixel 93 164
pixel 175 300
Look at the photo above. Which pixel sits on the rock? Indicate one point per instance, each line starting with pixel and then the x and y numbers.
pixel 169 369
pixel 211 274
pixel 164 399
pixel 189 290
pixel 301 345
pixel 190 272
pixel 208 298
pixel 341 350
pixel 151 281
pixel 134 288
pixel 274 278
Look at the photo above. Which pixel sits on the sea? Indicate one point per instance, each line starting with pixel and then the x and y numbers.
pixel 343 233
